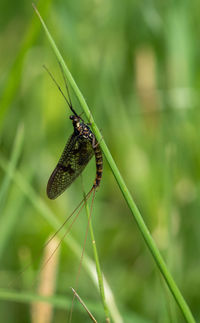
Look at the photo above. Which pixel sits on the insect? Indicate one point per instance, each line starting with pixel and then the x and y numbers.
pixel 80 148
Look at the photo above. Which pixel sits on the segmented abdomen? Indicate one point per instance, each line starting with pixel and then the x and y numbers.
pixel 99 164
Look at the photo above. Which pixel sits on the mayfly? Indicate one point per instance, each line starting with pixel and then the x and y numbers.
pixel 80 148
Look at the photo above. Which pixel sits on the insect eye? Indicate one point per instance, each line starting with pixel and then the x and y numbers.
pixel 71 117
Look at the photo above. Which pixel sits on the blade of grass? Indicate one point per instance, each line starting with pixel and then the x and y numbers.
pixel 96 257
pixel 11 218
pixel 133 207
pixel 9 214
pixel 107 298
pixel 57 301
pixel 61 302
pixel 16 151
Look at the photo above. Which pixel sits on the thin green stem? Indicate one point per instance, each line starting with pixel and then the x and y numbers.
pixel 9 218
pixel 135 211
pixel 17 148
pixel 96 258
pixel 58 302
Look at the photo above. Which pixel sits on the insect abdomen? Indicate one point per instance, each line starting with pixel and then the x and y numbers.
pixel 99 164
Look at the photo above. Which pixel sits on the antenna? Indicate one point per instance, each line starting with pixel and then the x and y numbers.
pixel 65 83
pixel 59 88
pixel 67 88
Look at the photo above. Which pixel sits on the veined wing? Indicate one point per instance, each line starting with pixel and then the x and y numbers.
pixel 77 153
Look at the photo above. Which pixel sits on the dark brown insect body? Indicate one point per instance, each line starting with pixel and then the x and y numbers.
pixel 80 148
pixel 83 130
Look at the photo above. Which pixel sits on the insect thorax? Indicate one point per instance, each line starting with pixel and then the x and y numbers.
pixel 81 129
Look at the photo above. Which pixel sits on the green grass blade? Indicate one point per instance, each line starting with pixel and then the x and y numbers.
pixel 28 297
pixel 61 302
pixel 96 258
pixel 9 214
pixel 17 147
pixel 135 211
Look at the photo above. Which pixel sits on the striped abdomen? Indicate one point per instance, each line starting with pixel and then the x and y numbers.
pixel 99 164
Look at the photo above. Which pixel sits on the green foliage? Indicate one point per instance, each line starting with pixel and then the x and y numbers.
pixel 136 64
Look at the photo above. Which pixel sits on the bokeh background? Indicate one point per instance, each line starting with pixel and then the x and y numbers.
pixel 137 64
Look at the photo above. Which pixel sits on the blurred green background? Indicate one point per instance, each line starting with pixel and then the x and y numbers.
pixel 137 65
